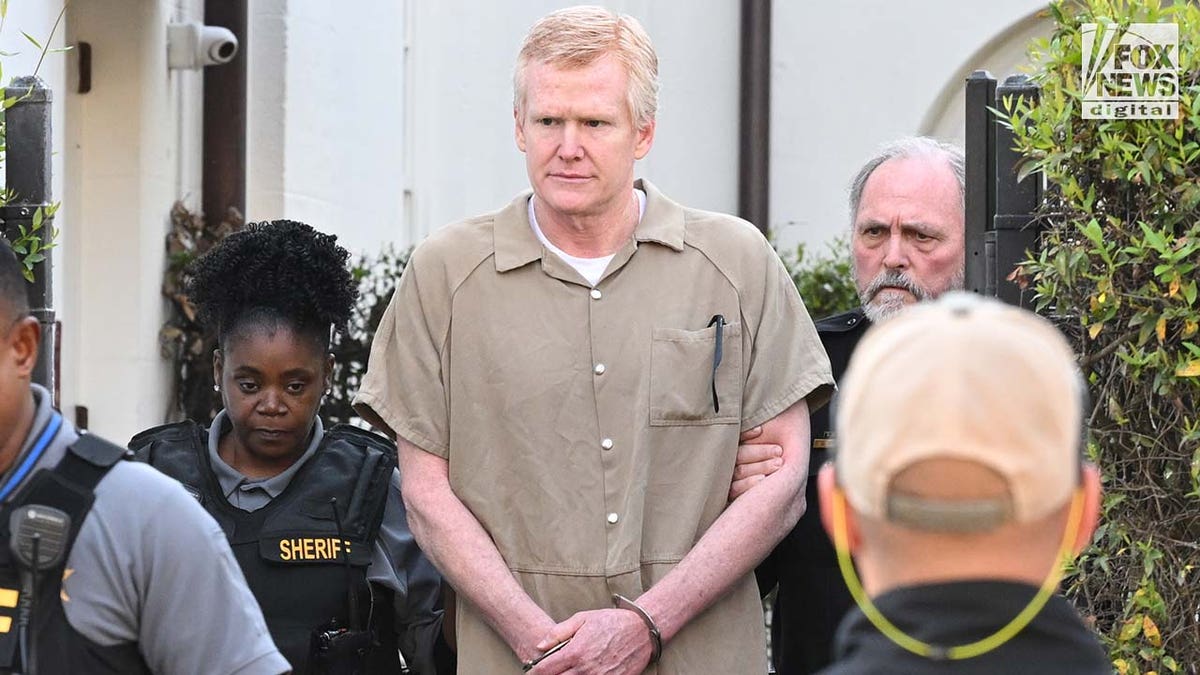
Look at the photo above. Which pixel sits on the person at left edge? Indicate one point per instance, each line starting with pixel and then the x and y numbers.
pixel 142 559
pixel 314 514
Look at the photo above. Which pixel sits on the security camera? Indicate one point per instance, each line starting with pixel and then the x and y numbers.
pixel 192 45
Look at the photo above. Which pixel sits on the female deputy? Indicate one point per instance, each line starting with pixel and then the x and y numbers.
pixel 314 515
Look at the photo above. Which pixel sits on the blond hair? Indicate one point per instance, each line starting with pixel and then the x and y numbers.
pixel 577 36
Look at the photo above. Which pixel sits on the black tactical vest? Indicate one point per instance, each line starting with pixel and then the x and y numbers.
pixel 70 487
pixel 296 564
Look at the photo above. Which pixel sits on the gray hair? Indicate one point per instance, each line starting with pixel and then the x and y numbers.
pixel 904 148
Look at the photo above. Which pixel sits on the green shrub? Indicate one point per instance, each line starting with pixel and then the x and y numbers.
pixel 182 340
pixel 826 281
pixel 1118 262
pixel 377 276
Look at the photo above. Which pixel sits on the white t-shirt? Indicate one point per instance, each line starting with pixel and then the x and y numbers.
pixel 589 268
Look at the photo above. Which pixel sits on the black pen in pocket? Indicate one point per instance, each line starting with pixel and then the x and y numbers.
pixel 718 321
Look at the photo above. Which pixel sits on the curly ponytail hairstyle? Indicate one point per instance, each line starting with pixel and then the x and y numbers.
pixel 274 271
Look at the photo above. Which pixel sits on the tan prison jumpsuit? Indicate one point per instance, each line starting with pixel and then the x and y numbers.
pixel 579 423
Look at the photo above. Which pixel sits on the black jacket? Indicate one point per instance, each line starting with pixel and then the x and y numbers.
pixel 1056 642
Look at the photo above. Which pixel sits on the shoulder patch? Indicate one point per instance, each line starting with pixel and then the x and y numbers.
pixel 193 492
pixel 98 452
pixel 363 438
pixel 840 323
pixel 175 431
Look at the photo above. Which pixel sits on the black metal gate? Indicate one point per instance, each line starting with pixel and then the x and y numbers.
pixel 1000 211
pixel 27 179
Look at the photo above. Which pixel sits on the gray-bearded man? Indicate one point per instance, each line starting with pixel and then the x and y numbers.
pixel 906 210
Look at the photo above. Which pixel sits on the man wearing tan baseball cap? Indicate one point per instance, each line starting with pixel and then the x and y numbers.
pixel 960 489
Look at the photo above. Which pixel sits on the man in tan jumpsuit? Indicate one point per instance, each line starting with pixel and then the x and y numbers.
pixel 567 378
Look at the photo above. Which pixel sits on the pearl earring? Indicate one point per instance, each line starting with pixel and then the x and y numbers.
pixel 216 387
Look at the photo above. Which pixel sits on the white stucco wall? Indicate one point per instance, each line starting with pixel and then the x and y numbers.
pixel 266 112
pixel 326 115
pixel 849 76
pixel 1004 55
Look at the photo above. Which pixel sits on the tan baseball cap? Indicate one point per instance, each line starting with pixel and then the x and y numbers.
pixel 963 378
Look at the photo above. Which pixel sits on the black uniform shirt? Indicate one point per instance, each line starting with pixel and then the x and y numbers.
pixel 812 597
pixel 1055 643
pixel 840 334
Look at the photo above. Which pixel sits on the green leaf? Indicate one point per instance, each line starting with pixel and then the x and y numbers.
pixel 1090 199
pixel 1093 233
pixel 1153 238
pixel 1026 169
pixel 1131 629
pixel 32 39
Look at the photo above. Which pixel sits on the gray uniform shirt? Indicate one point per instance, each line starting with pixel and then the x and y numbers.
pixel 151 566
pixel 396 561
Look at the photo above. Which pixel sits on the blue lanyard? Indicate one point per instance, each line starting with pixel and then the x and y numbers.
pixel 39 447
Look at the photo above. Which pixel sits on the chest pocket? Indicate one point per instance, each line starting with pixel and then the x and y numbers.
pixel 682 378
